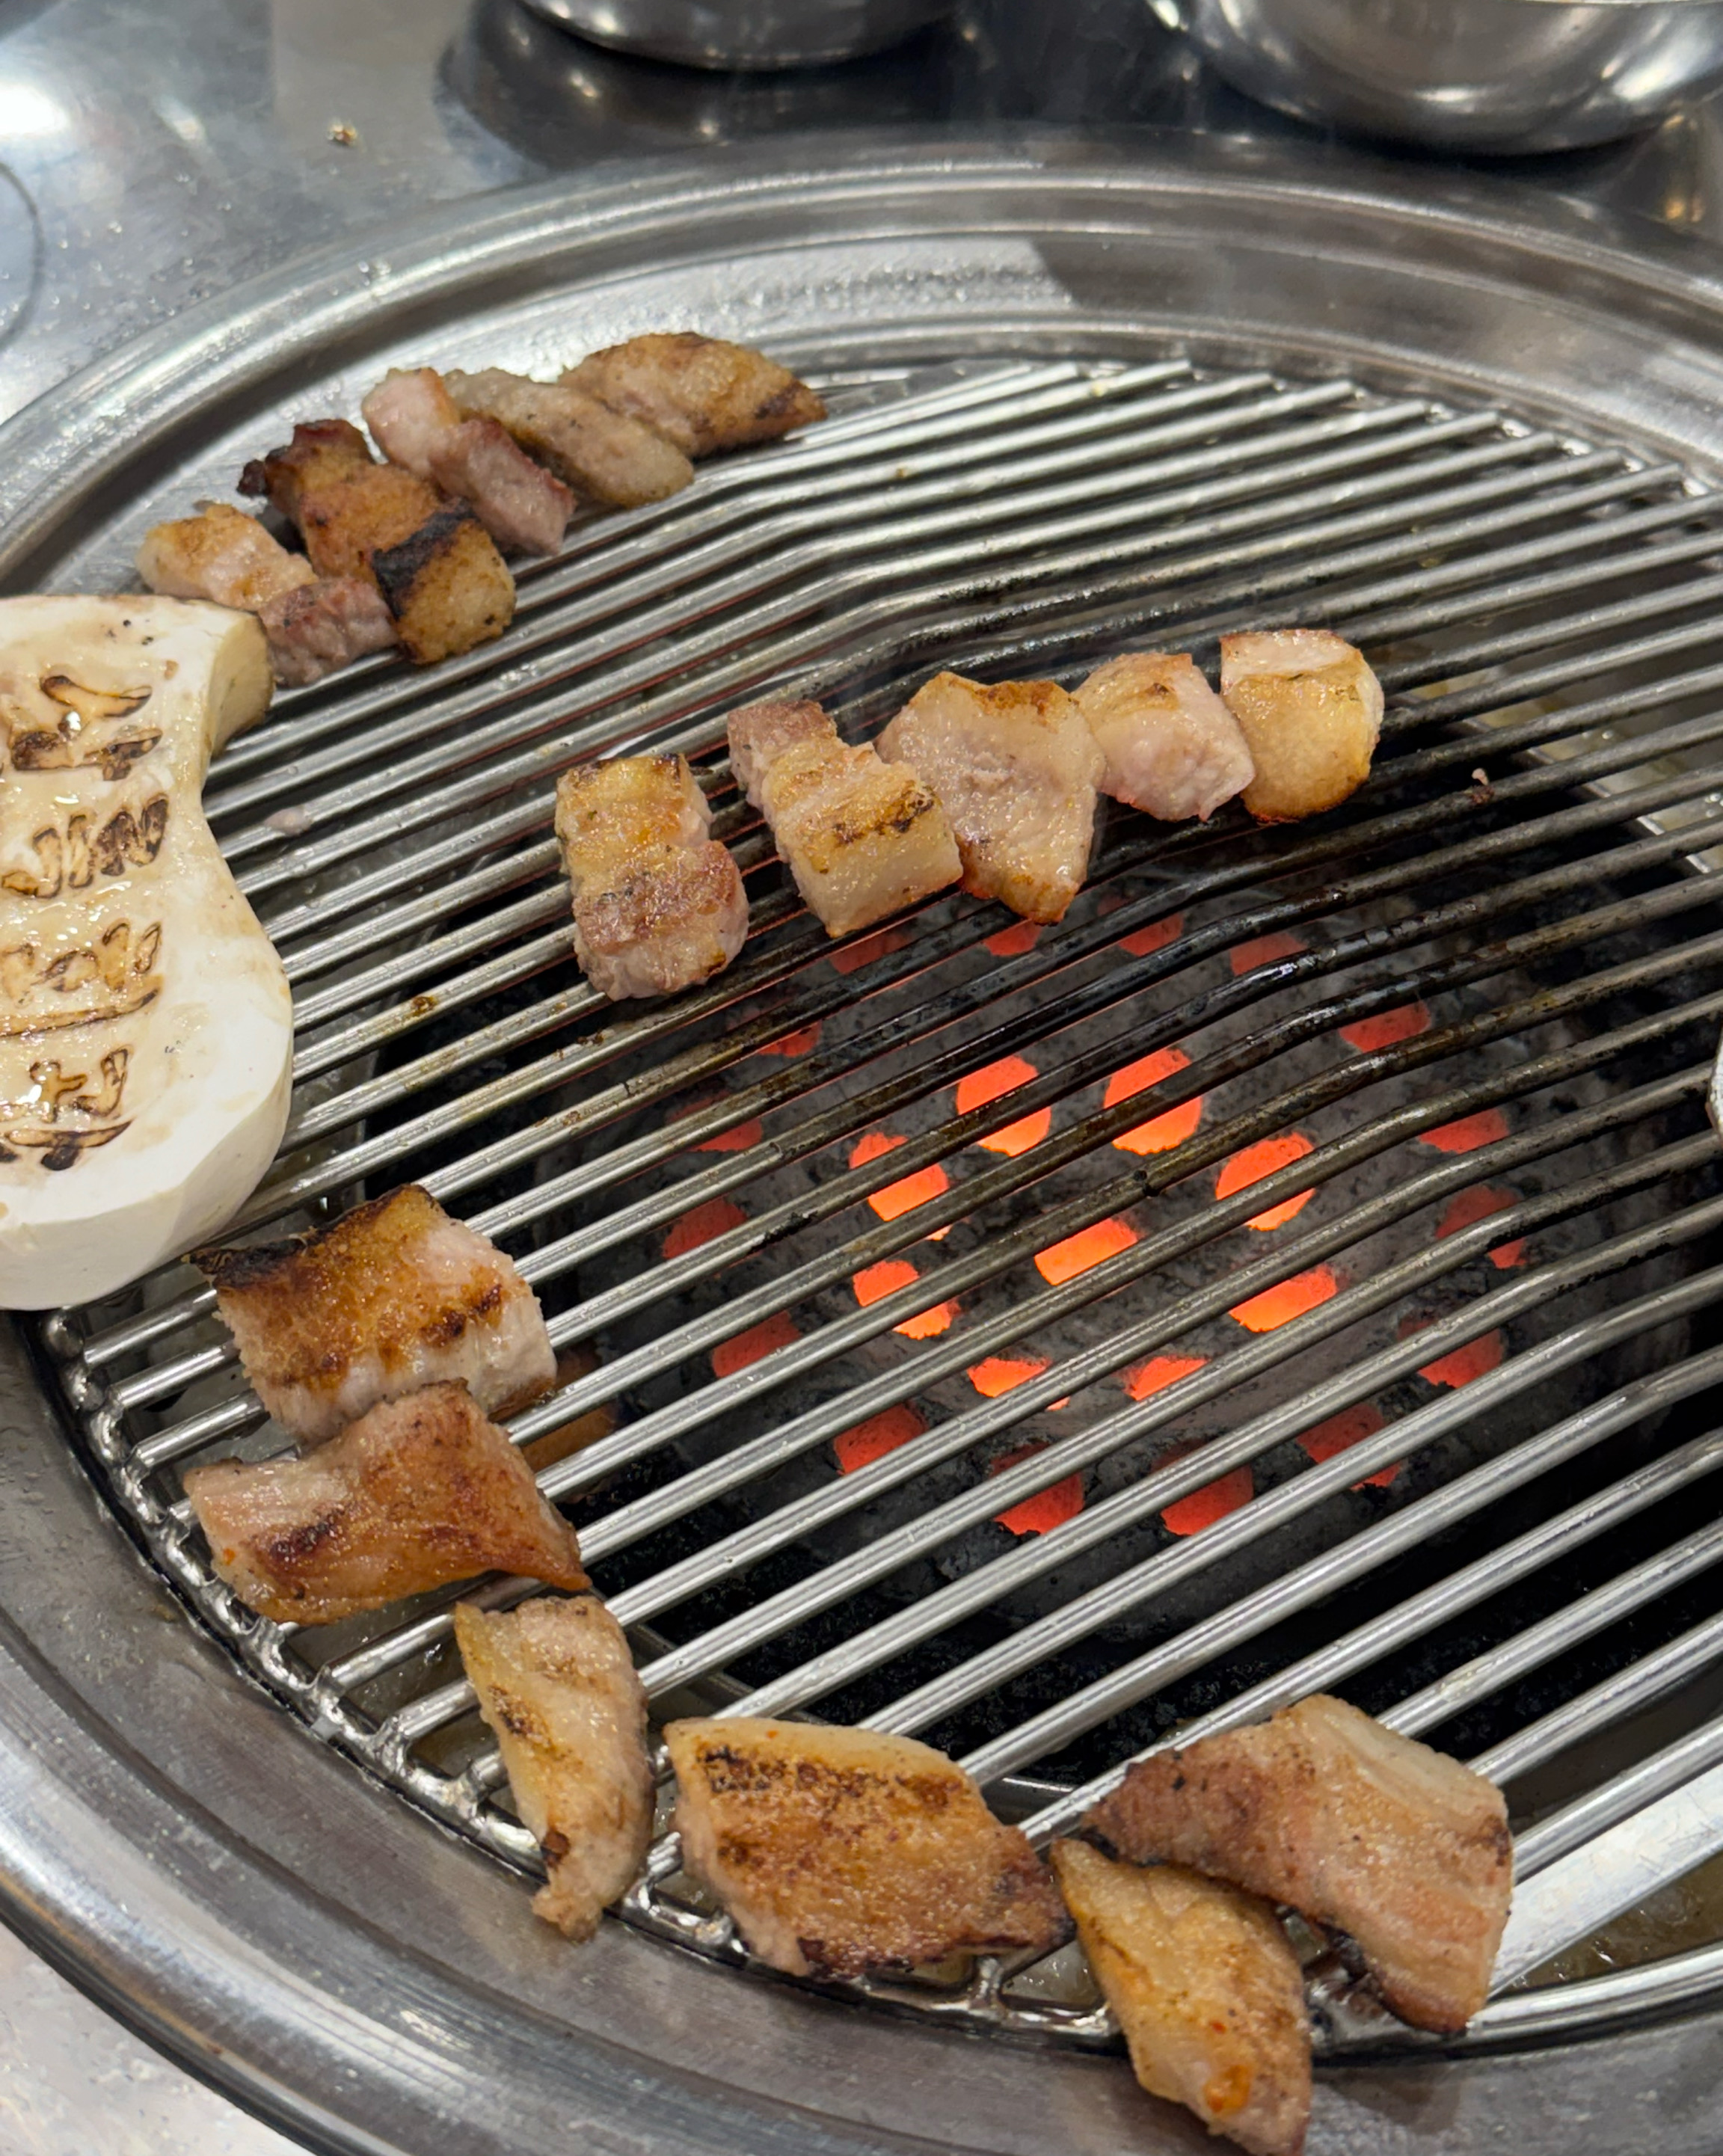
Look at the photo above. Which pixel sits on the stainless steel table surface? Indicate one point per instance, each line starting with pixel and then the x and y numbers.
pixel 154 152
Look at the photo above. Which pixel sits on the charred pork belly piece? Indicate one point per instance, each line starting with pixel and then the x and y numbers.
pixel 418 1493
pixel 557 1684
pixel 314 623
pixel 658 904
pixel 436 566
pixel 840 1851
pixel 605 456
pixel 418 425
pixel 699 392
pixel 1015 769
pixel 395 1296
pixel 1362 1830
pixel 1206 1989
pixel 1172 748
pixel 862 837
pixel 1311 711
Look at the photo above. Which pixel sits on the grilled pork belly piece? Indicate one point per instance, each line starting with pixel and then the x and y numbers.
pixel 605 456
pixel 1206 1989
pixel 1310 709
pixel 839 1850
pixel 698 391
pixel 658 904
pixel 1015 769
pixel 417 425
pixel 1172 748
pixel 557 1684
pixel 314 623
pixel 395 1296
pixel 1361 1830
pixel 436 566
pixel 416 1494
pixel 862 837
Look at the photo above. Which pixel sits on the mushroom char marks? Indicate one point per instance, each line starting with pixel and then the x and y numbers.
pixel 417 1494
pixel 698 391
pixel 1172 748
pixel 862 837
pixel 658 904
pixel 1206 1989
pixel 1311 711
pixel 394 1295
pixel 840 1851
pixel 437 568
pixel 1359 1828
pixel 558 1687
pixel 1015 769
pixel 604 456
pixel 418 426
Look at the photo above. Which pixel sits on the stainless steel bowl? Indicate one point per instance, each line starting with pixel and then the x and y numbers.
pixel 745 33
pixel 1491 75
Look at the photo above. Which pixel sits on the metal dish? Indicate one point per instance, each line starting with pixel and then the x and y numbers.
pixel 1507 76
pixel 754 34
pixel 225 1877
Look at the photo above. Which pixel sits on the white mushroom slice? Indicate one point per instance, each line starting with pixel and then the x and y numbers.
pixel 146 1027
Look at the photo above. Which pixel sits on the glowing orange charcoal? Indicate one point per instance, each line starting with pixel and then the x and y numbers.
pixel 881 942
pixel 1342 1432
pixel 1082 1252
pixel 1048 1508
pixel 1470 1206
pixel 1004 1373
pixel 1265 1157
pixel 1280 1304
pixel 1011 942
pixel 872 1439
pixel 1469 1133
pixel 1145 1379
pixel 1202 1508
pixel 760 1340
pixel 874 1283
pixel 737 1139
pixel 1155 937
pixel 702 1224
pixel 920 1188
pixel 1163 1132
pixel 1265 950
pixel 801 1042
pixel 1461 1365
pixel 999 1079
pixel 1387 1029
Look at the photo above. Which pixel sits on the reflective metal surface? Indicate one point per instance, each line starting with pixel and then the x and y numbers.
pixel 1497 75
pixel 177 1882
pixel 745 33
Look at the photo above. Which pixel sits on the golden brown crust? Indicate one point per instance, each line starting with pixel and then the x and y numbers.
pixel 699 392
pixel 1206 1989
pixel 1361 1830
pixel 446 585
pixel 839 1850
pixel 1311 710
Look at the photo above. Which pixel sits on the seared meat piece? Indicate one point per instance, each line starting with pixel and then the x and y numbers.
pixel 318 628
pixel 698 391
pixel 557 1684
pixel 760 733
pixel 1361 1830
pixel 862 837
pixel 418 1493
pixel 1172 748
pixel 1311 711
pixel 1205 1989
pixel 1015 769
pixel 605 456
pixel 658 904
pixel 436 566
pixel 394 1297
pixel 839 1850
pixel 417 425
pixel 220 554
